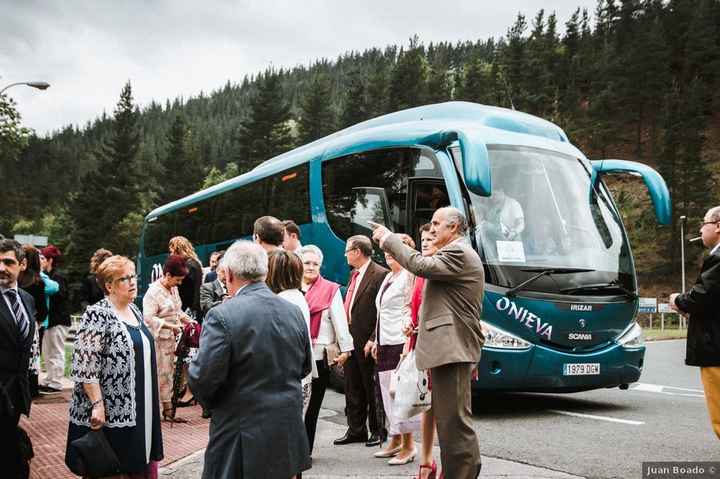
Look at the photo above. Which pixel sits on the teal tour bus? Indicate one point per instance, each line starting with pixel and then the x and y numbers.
pixel 561 290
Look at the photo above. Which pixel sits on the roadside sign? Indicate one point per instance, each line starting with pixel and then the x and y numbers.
pixel 648 305
pixel 34 240
pixel 664 308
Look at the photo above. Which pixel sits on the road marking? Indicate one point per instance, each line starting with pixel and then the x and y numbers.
pixel 598 418
pixel 650 388
pixel 668 390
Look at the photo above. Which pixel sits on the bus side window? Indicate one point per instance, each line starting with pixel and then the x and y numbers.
pixel 384 178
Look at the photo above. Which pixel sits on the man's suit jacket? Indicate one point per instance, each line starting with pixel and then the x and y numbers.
pixel 703 304
pixel 449 329
pixel 211 294
pixel 254 351
pixel 15 359
pixel 363 314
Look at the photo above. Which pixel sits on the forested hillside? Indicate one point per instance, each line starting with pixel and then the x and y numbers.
pixel 634 79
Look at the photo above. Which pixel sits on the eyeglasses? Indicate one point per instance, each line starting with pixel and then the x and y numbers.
pixel 348 250
pixel 127 279
pixel 702 225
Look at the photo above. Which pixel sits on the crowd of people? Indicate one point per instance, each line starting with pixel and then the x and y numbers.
pixel 253 339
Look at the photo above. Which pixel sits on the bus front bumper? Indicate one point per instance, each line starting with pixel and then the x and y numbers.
pixel 541 369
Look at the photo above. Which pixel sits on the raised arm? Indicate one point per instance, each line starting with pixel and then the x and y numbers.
pixel 444 265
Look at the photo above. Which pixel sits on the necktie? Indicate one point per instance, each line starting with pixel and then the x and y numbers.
pixel 350 293
pixel 18 312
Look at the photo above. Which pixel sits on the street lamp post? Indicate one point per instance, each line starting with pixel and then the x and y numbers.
pixel 40 85
pixel 683 220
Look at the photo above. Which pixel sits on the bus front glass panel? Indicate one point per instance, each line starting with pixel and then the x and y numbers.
pixel 543 214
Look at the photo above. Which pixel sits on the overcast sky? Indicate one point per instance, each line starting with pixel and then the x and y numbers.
pixel 88 50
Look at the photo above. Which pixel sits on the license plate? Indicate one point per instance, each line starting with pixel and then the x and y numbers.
pixel 581 369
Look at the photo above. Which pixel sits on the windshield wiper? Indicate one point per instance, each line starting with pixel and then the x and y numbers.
pixel 543 272
pixel 600 287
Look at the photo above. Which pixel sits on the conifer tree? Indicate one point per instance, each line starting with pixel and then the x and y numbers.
pixel 88 217
pixel 514 63
pixel 408 85
pixel 439 86
pixel 118 167
pixel 182 171
pixel 474 87
pixel 267 132
pixel 377 92
pixel 317 118
pixel 355 108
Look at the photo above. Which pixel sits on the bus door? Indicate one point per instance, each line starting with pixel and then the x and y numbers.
pixel 425 195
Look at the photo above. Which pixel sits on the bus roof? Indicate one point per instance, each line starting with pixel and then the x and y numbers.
pixel 407 127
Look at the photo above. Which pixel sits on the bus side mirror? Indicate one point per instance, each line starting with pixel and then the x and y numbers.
pixel 475 158
pixel 659 193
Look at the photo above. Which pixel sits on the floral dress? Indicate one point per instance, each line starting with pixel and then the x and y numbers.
pixel 162 309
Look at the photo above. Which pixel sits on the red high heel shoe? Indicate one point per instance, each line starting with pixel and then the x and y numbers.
pixel 433 470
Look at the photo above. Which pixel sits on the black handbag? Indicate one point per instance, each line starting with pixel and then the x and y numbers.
pixel 94 456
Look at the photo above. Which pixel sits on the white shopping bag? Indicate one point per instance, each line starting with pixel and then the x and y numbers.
pixel 412 394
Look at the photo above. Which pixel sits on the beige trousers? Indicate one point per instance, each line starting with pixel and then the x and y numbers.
pixel 53 351
pixel 711 382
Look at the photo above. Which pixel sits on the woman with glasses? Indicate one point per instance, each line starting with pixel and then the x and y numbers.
pixel 329 330
pixel 113 368
pixel 162 310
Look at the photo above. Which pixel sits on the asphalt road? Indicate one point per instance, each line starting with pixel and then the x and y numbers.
pixel 603 433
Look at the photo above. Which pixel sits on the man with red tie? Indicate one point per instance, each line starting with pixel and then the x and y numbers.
pixel 365 280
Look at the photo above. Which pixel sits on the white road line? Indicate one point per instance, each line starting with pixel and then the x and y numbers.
pixel 598 418
pixel 650 388
pixel 668 390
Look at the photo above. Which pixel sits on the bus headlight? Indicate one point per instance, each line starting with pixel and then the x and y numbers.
pixel 632 337
pixel 497 338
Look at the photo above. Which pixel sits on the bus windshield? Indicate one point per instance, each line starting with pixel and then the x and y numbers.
pixel 544 215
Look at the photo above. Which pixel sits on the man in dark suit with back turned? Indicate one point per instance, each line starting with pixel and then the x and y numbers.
pixel 16 336
pixel 449 337
pixel 365 280
pixel 702 303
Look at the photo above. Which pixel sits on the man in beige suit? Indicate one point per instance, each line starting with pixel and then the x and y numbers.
pixel 449 338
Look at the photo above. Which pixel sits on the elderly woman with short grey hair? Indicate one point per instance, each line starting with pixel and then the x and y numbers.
pixel 329 332
pixel 254 352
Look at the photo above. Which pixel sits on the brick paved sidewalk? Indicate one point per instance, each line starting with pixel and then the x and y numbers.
pixel 48 424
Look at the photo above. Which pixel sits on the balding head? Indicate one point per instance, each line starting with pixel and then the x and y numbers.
pixel 710 228
pixel 447 225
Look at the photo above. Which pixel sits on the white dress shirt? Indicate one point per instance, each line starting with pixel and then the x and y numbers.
pixel 393 307
pixel 715 249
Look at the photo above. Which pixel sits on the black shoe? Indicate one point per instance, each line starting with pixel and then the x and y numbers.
pixel 373 441
pixel 349 438
pixel 48 390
